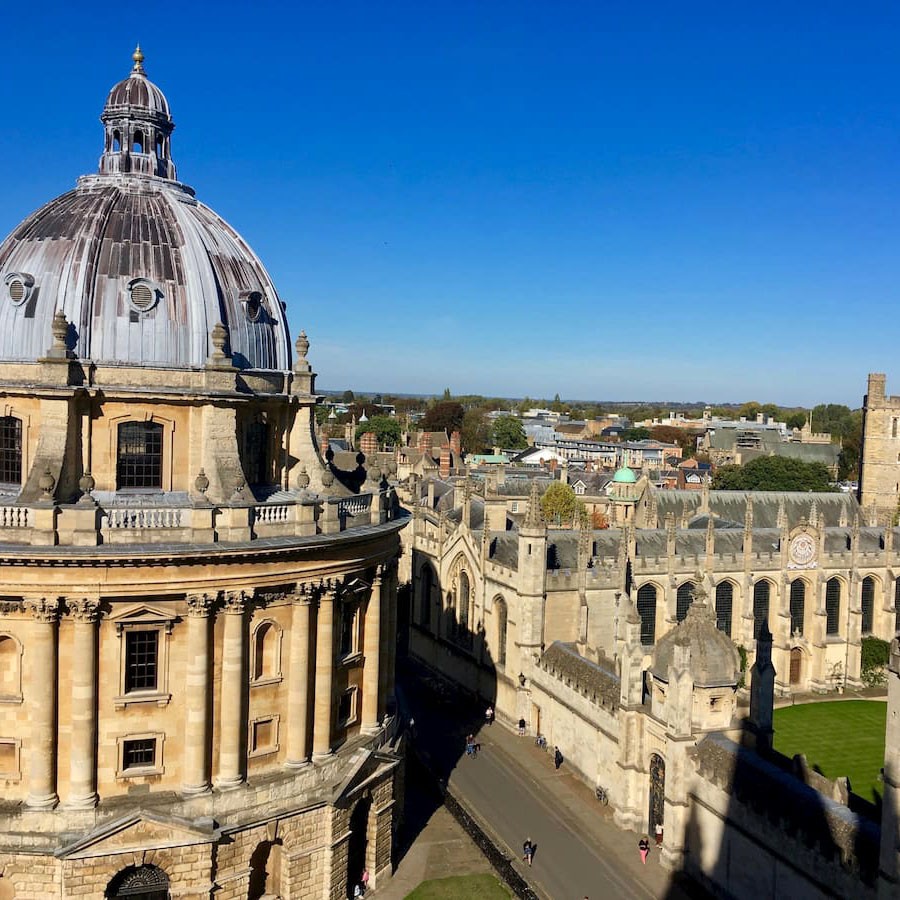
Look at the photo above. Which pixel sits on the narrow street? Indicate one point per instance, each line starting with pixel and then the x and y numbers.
pixel 514 792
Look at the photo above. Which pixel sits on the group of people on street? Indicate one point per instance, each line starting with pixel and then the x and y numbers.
pixel 644 842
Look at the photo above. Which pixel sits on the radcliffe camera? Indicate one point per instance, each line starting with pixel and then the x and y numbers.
pixel 359 548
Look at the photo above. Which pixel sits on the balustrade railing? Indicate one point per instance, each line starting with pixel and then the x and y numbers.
pixel 273 513
pixel 152 517
pixel 352 506
pixel 13 516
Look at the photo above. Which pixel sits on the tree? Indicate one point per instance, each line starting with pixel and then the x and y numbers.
pixel 322 413
pixel 348 396
pixel 475 433
pixel 795 419
pixel 447 394
pixel 385 429
pixel 635 434
pixel 669 434
pixel 559 505
pixel 444 416
pixel 773 473
pixel 508 433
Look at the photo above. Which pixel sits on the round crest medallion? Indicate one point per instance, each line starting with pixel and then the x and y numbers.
pixel 802 551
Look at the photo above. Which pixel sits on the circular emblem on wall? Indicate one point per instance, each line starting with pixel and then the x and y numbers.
pixel 802 551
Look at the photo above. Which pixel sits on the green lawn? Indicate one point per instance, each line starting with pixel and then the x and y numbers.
pixel 840 737
pixel 461 887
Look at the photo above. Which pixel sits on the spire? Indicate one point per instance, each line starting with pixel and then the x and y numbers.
pixel 138 57
pixel 533 516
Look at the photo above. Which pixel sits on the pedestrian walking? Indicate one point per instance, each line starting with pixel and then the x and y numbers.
pixel 521 727
pixel 659 834
pixel 470 745
pixel 489 715
pixel 557 757
pixel 364 880
pixel 644 847
pixel 528 851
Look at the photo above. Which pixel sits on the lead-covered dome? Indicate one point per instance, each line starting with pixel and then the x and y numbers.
pixel 141 269
pixel 715 660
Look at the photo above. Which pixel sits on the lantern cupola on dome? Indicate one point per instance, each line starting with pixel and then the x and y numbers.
pixel 138 127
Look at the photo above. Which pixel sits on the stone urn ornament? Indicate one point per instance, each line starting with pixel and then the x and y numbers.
pixel 46 483
pixel 303 479
pixel 201 482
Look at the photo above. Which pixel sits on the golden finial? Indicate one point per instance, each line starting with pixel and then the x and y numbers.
pixel 138 58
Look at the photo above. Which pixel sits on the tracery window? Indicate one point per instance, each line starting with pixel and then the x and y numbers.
pixel 761 592
pixel 867 602
pixel 833 606
pixel 10 450
pixel 139 455
pixel 683 600
pixel 724 603
pixel 798 605
pixel 646 609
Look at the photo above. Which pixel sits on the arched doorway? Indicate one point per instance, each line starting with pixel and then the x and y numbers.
pixel 139 883
pixel 357 844
pixel 796 665
pixel 657 792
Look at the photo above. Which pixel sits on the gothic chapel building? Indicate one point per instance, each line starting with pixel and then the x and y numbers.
pixel 197 611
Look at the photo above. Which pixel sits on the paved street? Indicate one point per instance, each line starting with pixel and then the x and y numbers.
pixel 514 792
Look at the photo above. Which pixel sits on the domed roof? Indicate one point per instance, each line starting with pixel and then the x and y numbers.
pixel 136 92
pixel 141 269
pixel 624 476
pixel 715 660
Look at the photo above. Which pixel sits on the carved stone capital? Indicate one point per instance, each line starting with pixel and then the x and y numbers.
pixel 200 605
pixel 43 610
pixel 84 610
pixel 235 602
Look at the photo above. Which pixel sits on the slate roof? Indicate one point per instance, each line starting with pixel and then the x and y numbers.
pixel 594 680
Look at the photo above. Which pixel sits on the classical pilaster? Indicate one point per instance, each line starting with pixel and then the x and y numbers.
pixel 42 670
pixel 372 650
pixel 391 662
pixel 298 691
pixel 324 674
pixel 232 752
pixel 197 696
pixel 83 760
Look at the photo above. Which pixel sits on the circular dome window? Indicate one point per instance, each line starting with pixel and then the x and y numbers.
pixel 18 287
pixel 142 295
pixel 253 306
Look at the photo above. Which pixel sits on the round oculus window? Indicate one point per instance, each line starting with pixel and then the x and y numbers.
pixel 143 296
pixel 253 306
pixel 18 287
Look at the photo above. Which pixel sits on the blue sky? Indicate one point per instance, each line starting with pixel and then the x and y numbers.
pixel 695 201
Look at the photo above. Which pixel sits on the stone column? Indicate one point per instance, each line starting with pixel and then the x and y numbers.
pixel 232 751
pixel 372 649
pixel 83 759
pixel 41 661
pixel 324 674
pixel 298 692
pixel 391 662
pixel 197 695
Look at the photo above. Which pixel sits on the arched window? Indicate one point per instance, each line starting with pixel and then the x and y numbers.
pixel 897 606
pixel 646 609
pixel 683 600
pixel 138 144
pixel 10 450
pixel 724 602
pixel 867 602
pixel 500 607
pixel 462 604
pixel 761 593
pixel 266 652
pixel 833 606
pixel 10 668
pixel 427 587
pixel 140 883
pixel 139 455
pixel 798 605
pixel 117 142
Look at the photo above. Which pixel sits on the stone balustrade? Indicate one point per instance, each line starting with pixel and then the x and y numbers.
pixel 79 524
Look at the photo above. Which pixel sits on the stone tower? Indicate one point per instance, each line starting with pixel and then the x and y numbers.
pixel 879 475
